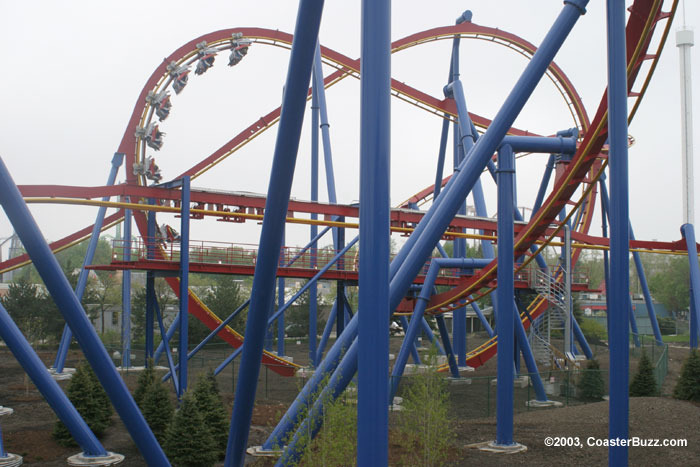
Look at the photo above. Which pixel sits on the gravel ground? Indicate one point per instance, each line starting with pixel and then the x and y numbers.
pixel 27 431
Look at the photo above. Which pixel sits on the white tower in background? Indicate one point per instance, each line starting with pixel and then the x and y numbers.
pixel 684 41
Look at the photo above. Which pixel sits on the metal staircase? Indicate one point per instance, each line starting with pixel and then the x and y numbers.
pixel 552 319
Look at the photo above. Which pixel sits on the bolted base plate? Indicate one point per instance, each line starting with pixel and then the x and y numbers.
pixel 491 446
pixel 547 403
pixel 11 460
pixel 82 460
pixel 258 451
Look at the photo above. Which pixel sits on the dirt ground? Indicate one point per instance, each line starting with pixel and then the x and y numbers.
pixel 28 431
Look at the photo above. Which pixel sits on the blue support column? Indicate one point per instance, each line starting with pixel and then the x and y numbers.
pixel 280 319
pixel 373 308
pixel 688 233
pixel 505 291
pixel 69 306
pixel 340 285
pixel 168 336
pixel 89 255
pixel 281 176
pixel 451 361
pixel 126 293
pixel 619 232
pixel 645 291
pixel 184 284
pixel 150 283
pixel 313 231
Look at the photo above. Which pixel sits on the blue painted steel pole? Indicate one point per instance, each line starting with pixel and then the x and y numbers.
pixel 126 293
pixel 619 232
pixel 63 347
pixel 326 333
pixel 635 255
pixel 313 231
pixel 168 336
pixel 325 126
pixel 49 388
pixel 373 308
pixel 505 290
pixel 150 283
pixel 281 176
pixel 688 233
pixel 451 361
pixel 645 291
pixel 69 306
pixel 184 284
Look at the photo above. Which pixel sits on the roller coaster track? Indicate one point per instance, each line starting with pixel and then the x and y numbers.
pixel 584 170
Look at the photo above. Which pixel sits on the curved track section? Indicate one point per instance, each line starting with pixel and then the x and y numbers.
pixel 644 17
pixel 584 169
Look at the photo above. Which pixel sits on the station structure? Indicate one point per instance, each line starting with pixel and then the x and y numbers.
pixel 584 158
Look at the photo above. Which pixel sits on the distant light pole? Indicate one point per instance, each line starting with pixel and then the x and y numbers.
pixel 684 41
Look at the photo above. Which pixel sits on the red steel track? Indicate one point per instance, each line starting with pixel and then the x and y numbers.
pixel 583 171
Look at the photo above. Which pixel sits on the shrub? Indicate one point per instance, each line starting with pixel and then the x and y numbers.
pixel 591 386
pixel 644 383
pixel 209 404
pixel 90 400
pixel 157 409
pixel 188 442
pixel 146 378
pixel 688 386
pixel 336 442
pixel 102 405
pixel 425 421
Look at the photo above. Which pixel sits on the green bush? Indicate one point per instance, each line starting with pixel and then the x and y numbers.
pixel 88 397
pixel 591 386
pixel 209 404
pixel 688 386
pixel 425 420
pixel 157 409
pixel 644 383
pixel 336 442
pixel 146 378
pixel 188 440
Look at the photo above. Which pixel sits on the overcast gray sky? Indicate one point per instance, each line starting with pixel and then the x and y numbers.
pixel 75 68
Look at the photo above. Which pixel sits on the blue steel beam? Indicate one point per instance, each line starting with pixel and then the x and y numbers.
pixel 619 232
pixel 126 293
pixel 281 176
pixel 428 232
pixel 505 293
pixel 63 347
pixel 373 307
pixel 69 306
pixel 184 284
pixel 150 284
pixel 688 232
pixel 313 230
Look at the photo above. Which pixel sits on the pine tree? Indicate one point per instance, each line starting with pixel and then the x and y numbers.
pixel 644 383
pixel 210 406
pixel 188 441
pixel 591 385
pixel 102 418
pixel 157 409
pixel 82 394
pixel 688 386
pixel 146 378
